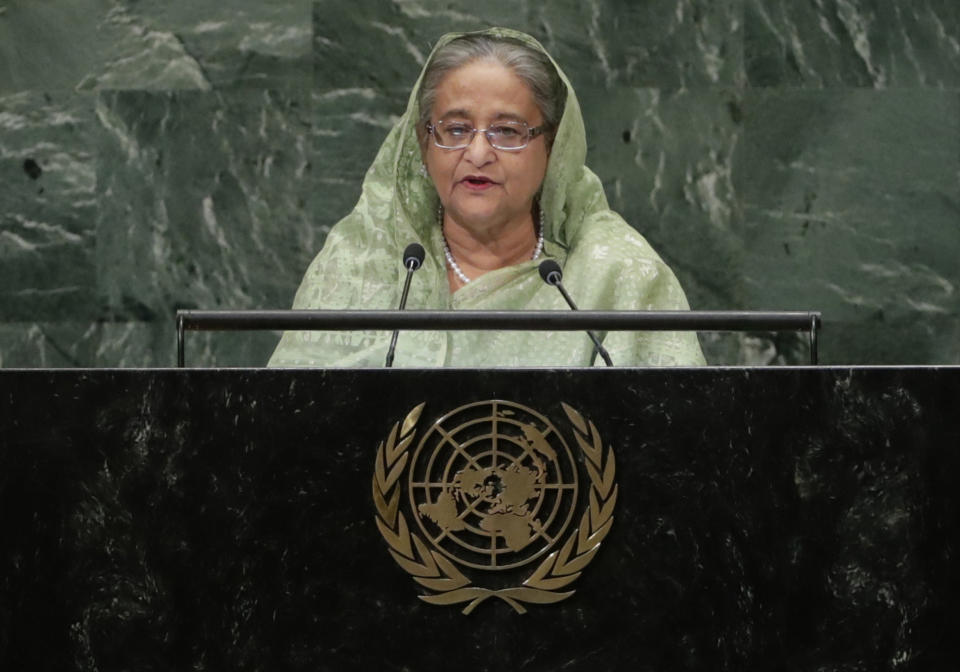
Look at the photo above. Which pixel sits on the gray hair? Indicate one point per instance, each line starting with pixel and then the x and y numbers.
pixel 532 66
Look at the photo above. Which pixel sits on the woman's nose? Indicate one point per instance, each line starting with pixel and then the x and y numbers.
pixel 479 151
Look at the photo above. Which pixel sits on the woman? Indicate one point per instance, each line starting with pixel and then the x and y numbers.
pixel 486 170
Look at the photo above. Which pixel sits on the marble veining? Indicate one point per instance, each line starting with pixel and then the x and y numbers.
pixel 778 154
pixel 852 43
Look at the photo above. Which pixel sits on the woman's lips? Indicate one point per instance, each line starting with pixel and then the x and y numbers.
pixel 477 183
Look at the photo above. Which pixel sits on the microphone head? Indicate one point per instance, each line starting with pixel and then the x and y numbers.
pixel 413 256
pixel 550 272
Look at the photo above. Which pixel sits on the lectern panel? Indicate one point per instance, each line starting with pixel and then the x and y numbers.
pixel 692 519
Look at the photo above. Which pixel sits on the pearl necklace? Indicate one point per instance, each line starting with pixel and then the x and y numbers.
pixel 457 271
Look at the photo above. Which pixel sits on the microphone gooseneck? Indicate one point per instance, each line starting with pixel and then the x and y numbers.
pixel 412 260
pixel 552 275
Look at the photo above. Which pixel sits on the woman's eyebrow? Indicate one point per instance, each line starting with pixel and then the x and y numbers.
pixel 465 114
pixel 455 113
pixel 509 116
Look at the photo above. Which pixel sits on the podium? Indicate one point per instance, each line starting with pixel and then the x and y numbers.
pixel 621 519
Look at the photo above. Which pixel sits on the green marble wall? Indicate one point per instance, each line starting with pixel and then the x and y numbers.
pixel 780 154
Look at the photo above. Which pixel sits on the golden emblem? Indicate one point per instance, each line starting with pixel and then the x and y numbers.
pixel 493 487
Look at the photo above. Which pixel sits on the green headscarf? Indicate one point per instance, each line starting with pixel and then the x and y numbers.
pixel 607 266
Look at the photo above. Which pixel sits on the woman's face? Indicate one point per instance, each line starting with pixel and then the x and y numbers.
pixel 480 187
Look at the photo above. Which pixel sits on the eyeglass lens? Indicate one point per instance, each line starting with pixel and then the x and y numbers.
pixel 458 134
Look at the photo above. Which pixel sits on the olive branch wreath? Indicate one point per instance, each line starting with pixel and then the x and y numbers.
pixel 432 570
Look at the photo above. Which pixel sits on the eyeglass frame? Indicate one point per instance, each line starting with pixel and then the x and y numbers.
pixel 532 132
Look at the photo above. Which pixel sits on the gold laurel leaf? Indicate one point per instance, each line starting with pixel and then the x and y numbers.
pixel 440 585
pixel 584 532
pixel 400 540
pixel 609 474
pixel 392 441
pixel 594 539
pixel 413 416
pixel 457 596
pixel 404 444
pixel 552 584
pixel 425 556
pixel 379 473
pixel 394 506
pixel 575 417
pixel 449 569
pixel 597 444
pixel 579 562
pixel 411 566
pixel 595 520
pixel 396 471
pixel 392 539
pixel 387 510
pixel 607 510
pixel 404 532
pixel 588 451
pixel 543 570
pixel 393 450
pixel 594 474
pixel 564 554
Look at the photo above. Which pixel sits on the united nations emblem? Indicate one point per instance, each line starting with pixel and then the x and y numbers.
pixel 493 489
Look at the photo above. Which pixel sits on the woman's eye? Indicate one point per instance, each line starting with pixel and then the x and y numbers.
pixel 458 129
pixel 506 131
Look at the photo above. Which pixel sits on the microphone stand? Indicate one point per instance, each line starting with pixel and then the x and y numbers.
pixel 552 275
pixel 412 258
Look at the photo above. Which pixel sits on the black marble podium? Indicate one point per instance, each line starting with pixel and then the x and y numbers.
pixel 766 519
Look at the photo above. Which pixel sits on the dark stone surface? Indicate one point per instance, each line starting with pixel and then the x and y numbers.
pixel 774 519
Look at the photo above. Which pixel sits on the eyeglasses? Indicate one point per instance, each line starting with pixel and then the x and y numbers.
pixel 507 135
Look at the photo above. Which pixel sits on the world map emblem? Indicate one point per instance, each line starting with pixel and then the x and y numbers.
pixel 489 501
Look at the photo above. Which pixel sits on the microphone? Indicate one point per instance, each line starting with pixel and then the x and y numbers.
pixel 552 275
pixel 412 259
